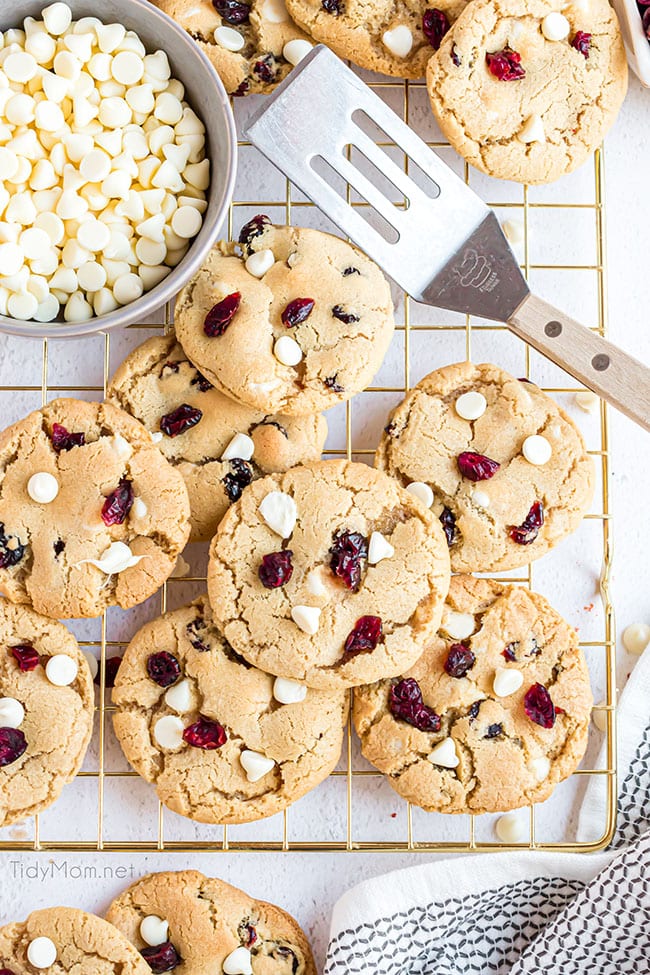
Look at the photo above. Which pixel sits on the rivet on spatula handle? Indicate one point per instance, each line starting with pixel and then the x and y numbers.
pixel 616 376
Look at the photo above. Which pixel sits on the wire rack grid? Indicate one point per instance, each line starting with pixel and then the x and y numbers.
pixel 120 811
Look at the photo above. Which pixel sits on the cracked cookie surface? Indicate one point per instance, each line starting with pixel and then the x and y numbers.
pixel 338 506
pixel 505 759
pixel 355 29
pixel 265 27
pixel 425 436
pixel 576 94
pixel 45 548
pixel 83 943
pixel 209 919
pixel 342 339
pixel 302 739
pixel 58 720
pixel 157 378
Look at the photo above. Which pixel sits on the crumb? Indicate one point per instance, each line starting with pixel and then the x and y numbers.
pixel 393 815
pixel 588 608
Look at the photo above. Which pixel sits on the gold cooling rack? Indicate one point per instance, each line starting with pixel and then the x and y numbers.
pixel 355 807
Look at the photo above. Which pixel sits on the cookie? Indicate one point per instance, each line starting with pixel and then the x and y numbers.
pixel 245 41
pixel 527 89
pixel 298 323
pixel 62 939
pixel 46 711
pixel 504 468
pixel 199 425
pixel 211 926
pixel 222 741
pixel 394 38
pixel 91 513
pixel 492 716
pixel 330 574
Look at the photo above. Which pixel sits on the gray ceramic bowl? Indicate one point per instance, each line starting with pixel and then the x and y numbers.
pixel 207 96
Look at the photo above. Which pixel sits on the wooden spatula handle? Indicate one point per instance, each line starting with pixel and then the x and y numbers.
pixel 620 379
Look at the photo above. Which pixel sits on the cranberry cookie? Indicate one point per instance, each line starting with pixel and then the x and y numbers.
pixel 222 741
pixel 503 467
pixel 492 716
pixel 205 925
pixel 330 574
pixel 91 513
pixel 58 940
pixel 245 41
pixel 527 89
pixel 46 711
pixel 298 323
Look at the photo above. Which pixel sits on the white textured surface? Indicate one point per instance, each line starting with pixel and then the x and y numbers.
pixel 307 885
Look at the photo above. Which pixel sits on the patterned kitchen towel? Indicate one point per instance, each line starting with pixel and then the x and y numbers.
pixel 520 913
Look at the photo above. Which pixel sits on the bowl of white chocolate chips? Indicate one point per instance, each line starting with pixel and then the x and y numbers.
pixel 117 164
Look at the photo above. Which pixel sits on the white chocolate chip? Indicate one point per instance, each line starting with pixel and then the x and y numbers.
pixel 260 262
pixel 186 222
pixel 507 681
pixel 636 637
pixel 12 713
pixel 514 230
pixel 471 405
pixel 61 670
pixel 93 663
pixel 379 548
pixel 156 436
pixel 256 767
pixel 181 569
pixel 279 512
pixel 537 450
pixel 306 618
pixel 444 754
pixel 512 827
pixel 179 697
pixel 241 446
pixel 238 962
pixel 229 39
pixel 41 952
pixel 116 558
pixel 288 691
pixel 555 26
pixel 295 50
pixel 587 401
pixel 287 351
pixel 398 41
pixel 540 767
pixel 168 732
pixel 480 498
pixel 532 130
pixel 275 11
pixel 421 491
pixel 127 68
pixel 57 18
pixel 599 717
pixel 42 487
pixel 459 626
pixel 153 930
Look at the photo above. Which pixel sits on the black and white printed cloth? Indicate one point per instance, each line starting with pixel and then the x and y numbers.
pixel 524 913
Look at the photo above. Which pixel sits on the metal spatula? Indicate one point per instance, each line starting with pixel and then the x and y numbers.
pixel 442 245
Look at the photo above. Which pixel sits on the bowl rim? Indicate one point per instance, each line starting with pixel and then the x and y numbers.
pixel 170 286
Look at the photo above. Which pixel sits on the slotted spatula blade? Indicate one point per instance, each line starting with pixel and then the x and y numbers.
pixel 439 242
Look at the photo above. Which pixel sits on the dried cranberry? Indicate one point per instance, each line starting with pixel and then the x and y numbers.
pixel 474 710
pixel 206 734
pixel 25 656
pixel 582 42
pixel 200 381
pixel 505 65
pixel 12 745
pixel 494 731
pixel 192 633
pixel 646 23
pixel 254 228
pixel 476 467
pixel 242 90
pixel 365 635
pixel 183 418
pixel 334 7
pixel 351 270
pixel 348 551
pixel 9 556
pixel 118 504
pixel 460 660
pixel 163 668
pixel 509 652
pixel 434 26
pixel 455 56
pixel 276 569
pixel 405 702
pixel 448 522
pixel 232 11
pixel 62 440
pixel 161 958
pixel 59 545
pixel 6 971
pixel 347 317
pixel 297 311
pixel 111 668
pixel 239 478
pixel 220 315
pixel 247 934
pixel 331 383
pixel 528 531
pixel 539 706
pixel 266 68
